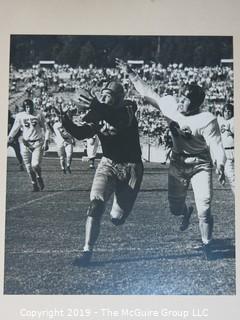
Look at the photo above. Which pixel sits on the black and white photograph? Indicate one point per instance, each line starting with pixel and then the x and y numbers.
pixel 120 166
pixel 118 138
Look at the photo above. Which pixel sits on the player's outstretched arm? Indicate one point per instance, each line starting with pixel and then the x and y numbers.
pixel 167 105
pixel 83 131
pixel 138 83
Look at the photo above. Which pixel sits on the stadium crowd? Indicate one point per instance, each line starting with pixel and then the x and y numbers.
pixel 49 88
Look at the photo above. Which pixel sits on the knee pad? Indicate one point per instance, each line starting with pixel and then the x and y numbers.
pixel 96 208
pixel 205 216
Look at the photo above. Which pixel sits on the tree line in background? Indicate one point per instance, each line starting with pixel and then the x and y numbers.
pixel 26 50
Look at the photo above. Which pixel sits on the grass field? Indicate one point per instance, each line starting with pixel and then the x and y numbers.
pixel 147 255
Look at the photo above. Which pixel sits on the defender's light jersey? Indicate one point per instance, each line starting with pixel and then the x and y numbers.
pixel 32 125
pixel 61 134
pixel 191 134
pixel 227 131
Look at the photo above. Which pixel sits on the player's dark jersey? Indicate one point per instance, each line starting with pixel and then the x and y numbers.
pixel 124 146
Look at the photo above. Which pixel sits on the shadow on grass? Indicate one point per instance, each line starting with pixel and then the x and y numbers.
pixel 140 259
pixel 89 189
pixel 223 249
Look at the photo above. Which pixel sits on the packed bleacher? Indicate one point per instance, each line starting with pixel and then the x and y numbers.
pixel 61 85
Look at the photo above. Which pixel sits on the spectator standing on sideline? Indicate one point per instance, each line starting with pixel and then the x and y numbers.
pixel 226 124
pixel 92 147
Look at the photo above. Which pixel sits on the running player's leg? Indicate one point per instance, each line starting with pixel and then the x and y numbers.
pixel 177 191
pixel 202 188
pixel 27 158
pixel 16 147
pixel 103 185
pixel 69 152
pixel 61 155
pixel 126 194
pixel 36 161
pixel 230 173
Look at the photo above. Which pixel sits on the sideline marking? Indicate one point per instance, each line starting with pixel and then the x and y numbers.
pixel 77 251
pixel 32 201
pixel 59 192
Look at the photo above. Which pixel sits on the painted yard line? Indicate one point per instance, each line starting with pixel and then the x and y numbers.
pixel 57 193
pixel 33 201
pixel 77 250
pixel 41 198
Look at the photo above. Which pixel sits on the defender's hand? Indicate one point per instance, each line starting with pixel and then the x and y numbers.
pixel 107 129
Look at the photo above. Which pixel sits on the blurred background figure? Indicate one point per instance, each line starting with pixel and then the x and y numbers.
pixel 35 139
pixel 92 147
pixel 65 143
pixel 226 124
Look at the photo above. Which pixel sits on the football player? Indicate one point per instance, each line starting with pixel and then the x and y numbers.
pixel 35 138
pixel 226 124
pixel 196 146
pixel 65 143
pixel 120 170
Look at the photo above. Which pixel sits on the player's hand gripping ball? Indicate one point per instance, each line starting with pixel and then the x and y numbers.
pixel 107 129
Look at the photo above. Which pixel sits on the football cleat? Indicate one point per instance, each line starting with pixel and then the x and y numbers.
pixel 40 183
pixel 69 170
pixel 186 219
pixel 64 171
pixel 83 260
pixel 35 187
pixel 91 166
pixel 118 222
pixel 207 252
